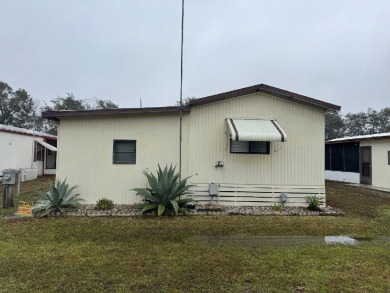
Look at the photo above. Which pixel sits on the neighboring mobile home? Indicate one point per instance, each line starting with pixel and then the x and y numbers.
pixel 361 159
pixel 24 149
pixel 255 143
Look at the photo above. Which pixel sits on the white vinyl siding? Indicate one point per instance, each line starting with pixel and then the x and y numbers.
pixel 299 161
pixel 206 140
pixel 379 162
pixel 157 142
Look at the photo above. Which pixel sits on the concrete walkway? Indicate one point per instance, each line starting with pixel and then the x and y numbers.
pixel 370 187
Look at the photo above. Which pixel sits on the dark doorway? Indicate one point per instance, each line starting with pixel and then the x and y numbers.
pixel 365 165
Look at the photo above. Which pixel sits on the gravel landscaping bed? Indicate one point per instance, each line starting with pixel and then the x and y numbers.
pixel 123 210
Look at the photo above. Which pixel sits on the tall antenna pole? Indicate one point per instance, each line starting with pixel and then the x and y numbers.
pixel 181 86
pixel 33 141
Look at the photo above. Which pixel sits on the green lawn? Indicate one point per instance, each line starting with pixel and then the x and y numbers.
pixel 79 254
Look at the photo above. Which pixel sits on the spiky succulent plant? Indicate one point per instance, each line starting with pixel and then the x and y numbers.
pixel 164 192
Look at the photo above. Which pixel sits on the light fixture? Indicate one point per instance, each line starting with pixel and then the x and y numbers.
pixel 219 164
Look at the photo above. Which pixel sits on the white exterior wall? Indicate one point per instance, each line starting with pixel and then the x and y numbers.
pixel 85 155
pixel 380 167
pixel 350 177
pixel 297 166
pixel 299 161
pixel 16 151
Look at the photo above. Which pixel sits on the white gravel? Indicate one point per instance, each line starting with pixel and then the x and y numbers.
pixel 132 210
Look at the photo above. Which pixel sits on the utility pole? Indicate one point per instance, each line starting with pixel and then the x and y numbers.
pixel 33 142
pixel 181 90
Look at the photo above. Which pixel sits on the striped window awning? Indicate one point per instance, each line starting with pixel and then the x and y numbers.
pixel 253 129
pixel 46 145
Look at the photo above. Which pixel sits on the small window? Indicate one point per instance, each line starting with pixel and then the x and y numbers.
pixel 124 152
pixel 388 157
pixel 249 147
pixel 38 152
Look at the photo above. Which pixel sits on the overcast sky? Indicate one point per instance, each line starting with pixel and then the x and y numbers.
pixel 336 51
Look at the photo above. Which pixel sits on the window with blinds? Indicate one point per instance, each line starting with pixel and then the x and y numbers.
pixel 124 152
pixel 249 147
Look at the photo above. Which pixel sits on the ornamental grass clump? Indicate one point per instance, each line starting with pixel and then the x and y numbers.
pixel 313 203
pixel 164 192
pixel 57 200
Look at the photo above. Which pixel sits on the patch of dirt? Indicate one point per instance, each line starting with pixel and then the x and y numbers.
pixel 355 200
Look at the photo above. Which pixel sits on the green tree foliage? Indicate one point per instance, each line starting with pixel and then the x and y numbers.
pixel 186 101
pixel 70 102
pixel 354 124
pixel 334 125
pixel 384 119
pixel 369 122
pixel 103 104
pixel 16 107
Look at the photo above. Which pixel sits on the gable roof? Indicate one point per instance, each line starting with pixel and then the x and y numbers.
pixel 56 115
pixel 267 89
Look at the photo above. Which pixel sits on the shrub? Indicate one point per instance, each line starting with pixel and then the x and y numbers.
pixel 57 200
pixel 104 204
pixel 162 196
pixel 313 203
pixel 277 207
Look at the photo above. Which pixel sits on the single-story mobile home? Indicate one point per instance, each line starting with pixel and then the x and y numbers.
pixel 254 144
pixel 22 148
pixel 363 159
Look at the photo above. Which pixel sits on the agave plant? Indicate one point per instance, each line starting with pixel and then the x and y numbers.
pixel 164 192
pixel 57 200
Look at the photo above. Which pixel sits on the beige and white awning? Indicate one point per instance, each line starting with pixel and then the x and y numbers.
pixel 46 145
pixel 253 129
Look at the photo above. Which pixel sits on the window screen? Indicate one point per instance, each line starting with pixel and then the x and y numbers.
pixel 249 147
pixel 342 157
pixel 337 157
pixel 39 152
pixel 327 156
pixel 124 152
pixel 351 158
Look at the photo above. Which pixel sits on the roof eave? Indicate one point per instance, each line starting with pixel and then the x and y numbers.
pixel 57 115
pixel 267 90
pixel 357 139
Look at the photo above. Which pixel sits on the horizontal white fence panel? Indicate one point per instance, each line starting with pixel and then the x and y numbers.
pixel 256 195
